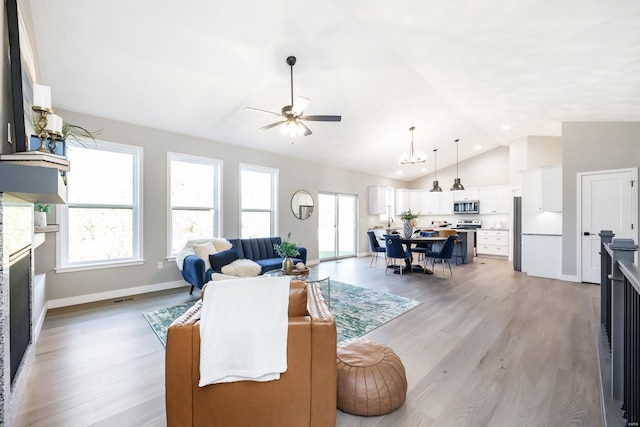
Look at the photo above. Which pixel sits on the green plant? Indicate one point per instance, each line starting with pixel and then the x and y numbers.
pixel 39 207
pixel 78 133
pixel 286 248
pixel 408 215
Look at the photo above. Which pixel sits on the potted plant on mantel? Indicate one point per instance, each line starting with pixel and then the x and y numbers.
pixel 78 133
pixel 287 250
pixel 409 221
pixel 40 214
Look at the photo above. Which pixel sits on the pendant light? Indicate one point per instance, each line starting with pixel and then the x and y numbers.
pixel 412 158
pixel 436 188
pixel 457 185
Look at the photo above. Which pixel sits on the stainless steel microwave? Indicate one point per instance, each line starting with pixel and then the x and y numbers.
pixel 466 207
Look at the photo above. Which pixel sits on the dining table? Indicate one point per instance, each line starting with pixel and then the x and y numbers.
pixel 409 242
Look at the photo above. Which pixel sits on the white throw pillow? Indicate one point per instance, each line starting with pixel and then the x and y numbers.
pixel 203 251
pixel 242 268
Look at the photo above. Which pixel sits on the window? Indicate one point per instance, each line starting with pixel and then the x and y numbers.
pixel 101 221
pixel 194 188
pixel 257 201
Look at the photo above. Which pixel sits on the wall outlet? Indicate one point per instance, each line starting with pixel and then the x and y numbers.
pixel 160 265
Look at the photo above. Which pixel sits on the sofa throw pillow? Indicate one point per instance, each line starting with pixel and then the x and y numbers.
pixel 223 258
pixel 203 251
pixel 242 268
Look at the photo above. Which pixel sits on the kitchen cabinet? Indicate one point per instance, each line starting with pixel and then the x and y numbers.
pixel 469 194
pixel 542 255
pixel 542 189
pixel 492 242
pixel 414 201
pixel 551 188
pixel 378 199
pixel 494 200
pixel 407 199
pixel 446 202
pixel 402 201
pixel 430 203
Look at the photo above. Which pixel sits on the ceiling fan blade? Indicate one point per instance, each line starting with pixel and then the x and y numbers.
pixel 307 131
pixel 261 111
pixel 300 104
pixel 272 125
pixel 321 118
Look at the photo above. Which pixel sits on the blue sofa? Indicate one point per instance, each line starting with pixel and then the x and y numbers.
pixel 259 250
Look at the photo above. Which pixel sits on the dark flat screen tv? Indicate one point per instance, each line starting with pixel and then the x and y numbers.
pixel 22 77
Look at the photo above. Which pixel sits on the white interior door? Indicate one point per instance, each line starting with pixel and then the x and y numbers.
pixel 609 202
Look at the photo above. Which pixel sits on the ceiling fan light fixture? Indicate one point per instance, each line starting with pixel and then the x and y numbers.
pixel 412 158
pixel 457 185
pixel 292 117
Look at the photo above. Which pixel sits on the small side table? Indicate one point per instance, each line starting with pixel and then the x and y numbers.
pixel 313 275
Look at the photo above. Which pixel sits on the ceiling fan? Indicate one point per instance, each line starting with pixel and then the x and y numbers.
pixel 292 115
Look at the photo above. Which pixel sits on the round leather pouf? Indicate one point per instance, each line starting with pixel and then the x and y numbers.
pixel 371 378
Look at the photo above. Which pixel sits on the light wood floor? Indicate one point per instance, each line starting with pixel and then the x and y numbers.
pixel 488 347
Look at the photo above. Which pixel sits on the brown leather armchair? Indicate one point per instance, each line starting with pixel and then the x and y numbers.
pixel 305 395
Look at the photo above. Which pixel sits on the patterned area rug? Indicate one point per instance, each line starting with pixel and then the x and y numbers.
pixel 357 310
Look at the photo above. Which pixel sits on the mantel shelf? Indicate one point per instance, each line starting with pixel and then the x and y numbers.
pixel 51 228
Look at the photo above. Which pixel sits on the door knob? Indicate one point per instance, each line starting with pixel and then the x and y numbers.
pixel 586 233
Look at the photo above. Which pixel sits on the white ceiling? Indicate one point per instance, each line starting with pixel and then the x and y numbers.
pixel 457 69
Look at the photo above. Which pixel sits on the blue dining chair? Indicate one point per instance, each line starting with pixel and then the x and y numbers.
pixel 395 251
pixel 444 254
pixel 423 247
pixel 375 248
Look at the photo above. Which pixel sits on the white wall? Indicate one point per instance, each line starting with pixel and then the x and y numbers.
pixel 490 168
pixel 294 174
pixel 591 146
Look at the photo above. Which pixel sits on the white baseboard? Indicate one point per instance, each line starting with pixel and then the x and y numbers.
pixel 569 278
pixel 38 326
pixel 118 293
pixel 363 254
pixel 313 261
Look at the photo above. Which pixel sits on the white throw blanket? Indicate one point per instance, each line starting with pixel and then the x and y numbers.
pixel 243 330
pixel 219 243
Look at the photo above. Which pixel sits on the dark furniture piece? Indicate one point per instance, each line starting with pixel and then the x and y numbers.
pixel 419 241
pixel 305 395
pixel 375 247
pixel 444 254
pixel 259 250
pixel 423 247
pixel 395 250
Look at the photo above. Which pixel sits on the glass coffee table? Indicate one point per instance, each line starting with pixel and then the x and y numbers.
pixel 313 275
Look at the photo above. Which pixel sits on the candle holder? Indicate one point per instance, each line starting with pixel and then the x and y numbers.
pixel 41 122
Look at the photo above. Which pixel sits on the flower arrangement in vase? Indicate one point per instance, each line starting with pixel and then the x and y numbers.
pixel 409 221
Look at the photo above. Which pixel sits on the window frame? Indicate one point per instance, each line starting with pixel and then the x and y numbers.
pixel 274 174
pixel 62 212
pixel 217 190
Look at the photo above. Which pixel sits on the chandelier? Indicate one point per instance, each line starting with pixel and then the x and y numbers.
pixel 412 158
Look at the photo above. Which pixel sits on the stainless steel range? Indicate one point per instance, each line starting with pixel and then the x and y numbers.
pixel 469 224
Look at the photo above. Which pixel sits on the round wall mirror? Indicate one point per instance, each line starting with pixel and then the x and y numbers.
pixel 302 204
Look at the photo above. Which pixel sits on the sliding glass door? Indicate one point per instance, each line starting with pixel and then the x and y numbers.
pixel 337 230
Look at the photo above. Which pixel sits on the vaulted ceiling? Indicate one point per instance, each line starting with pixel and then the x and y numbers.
pixel 486 72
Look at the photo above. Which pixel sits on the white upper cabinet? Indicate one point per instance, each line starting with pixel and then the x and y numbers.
pixel 402 201
pixel 552 189
pixel 468 194
pixel 430 203
pixel 543 189
pixel 446 202
pixel 494 200
pixel 377 200
pixel 414 202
